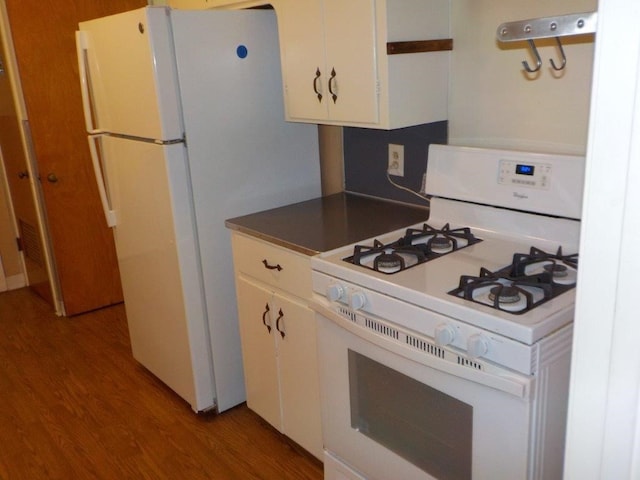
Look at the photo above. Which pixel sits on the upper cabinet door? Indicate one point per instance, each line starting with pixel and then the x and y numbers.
pixel 350 39
pixel 337 71
pixel 303 59
pixel 329 66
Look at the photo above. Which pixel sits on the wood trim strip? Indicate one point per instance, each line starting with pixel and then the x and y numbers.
pixel 419 46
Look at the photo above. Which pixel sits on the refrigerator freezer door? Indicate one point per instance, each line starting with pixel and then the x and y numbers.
pixel 131 80
pixel 160 265
pixel 243 156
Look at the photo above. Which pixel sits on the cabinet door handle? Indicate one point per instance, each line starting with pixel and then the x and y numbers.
pixel 331 82
pixel 264 317
pixel 271 267
pixel 280 315
pixel 315 85
pixel 23 174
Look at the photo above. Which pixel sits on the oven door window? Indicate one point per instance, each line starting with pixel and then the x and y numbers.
pixel 426 427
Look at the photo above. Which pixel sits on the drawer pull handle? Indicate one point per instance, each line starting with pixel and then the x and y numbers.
pixel 264 318
pixel 280 315
pixel 271 267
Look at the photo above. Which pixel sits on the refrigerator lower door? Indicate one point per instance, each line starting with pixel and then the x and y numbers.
pixel 159 263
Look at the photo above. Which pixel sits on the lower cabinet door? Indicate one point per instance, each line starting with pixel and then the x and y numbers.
pixel 298 367
pixel 257 329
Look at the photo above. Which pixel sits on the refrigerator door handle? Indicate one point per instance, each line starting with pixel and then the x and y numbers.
pixel 109 213
pixel 82 49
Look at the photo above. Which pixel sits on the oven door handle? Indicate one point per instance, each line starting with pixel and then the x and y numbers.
pixel 518 385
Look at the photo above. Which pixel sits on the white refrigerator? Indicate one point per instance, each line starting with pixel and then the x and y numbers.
pixel 185 117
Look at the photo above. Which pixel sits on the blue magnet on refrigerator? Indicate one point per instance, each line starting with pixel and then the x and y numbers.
pixel 242 51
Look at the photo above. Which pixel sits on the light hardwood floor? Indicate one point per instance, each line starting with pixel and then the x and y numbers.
pixel 74 405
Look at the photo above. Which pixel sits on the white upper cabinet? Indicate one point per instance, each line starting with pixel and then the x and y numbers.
pixel 337 69
pixel 328 64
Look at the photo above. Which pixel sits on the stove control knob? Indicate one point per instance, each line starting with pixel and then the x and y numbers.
pixel 357 300
pixel 477 345
pixel 335 292
pixel 444 334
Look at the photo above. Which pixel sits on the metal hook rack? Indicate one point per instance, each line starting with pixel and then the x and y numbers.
pixel 548 27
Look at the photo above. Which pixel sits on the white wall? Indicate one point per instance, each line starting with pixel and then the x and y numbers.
pixel 494 103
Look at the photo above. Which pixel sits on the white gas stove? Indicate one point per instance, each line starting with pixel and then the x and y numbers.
pixel 497 233
pixel 488 283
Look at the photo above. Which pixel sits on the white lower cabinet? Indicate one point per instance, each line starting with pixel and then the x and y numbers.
pixel 278 333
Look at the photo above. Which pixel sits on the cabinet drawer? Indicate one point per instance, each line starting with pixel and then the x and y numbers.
pixel 273 265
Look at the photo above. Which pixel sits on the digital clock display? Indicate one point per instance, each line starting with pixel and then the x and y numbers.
pixel 525 169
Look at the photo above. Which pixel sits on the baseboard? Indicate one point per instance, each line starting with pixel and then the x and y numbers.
pixel 16 281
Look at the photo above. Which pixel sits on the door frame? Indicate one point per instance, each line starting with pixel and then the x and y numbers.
pixel 14 79
pixel 603 428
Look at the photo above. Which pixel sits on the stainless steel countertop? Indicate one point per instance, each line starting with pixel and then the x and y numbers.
pixel 326 223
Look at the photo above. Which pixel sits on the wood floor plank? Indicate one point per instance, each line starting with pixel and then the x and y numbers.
pixel 76 405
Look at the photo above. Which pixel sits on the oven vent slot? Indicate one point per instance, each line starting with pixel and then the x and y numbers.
pixel 381 328
pixel 348 313
pixel 468 363
pixel 424 346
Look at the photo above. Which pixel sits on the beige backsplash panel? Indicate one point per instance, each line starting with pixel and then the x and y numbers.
pixel 493 102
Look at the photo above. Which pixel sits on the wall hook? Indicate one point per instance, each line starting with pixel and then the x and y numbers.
pixel 534 50
pixel 564 57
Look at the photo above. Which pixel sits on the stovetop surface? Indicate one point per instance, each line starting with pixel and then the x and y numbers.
pixel 429 284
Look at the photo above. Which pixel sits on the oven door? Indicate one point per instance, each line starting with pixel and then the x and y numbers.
pixel 391 410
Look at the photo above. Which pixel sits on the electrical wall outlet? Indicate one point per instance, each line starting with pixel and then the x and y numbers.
pixel 396 160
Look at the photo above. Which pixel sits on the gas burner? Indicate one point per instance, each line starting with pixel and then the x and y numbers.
pixel 415 247
pixel 556 270
pixel 436 242
pixel 389 260
pixel 441 245
pixel 529 281
pixel 563 268
pixel 503 292
pixel 386 258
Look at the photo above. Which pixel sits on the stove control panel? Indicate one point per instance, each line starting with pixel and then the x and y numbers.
pixel 429 331
pixel 520 174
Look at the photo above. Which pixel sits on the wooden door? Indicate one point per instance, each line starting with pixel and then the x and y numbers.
pixel 83 248
pixel 19 181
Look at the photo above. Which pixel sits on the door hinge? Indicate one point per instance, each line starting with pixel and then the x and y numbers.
pixel 19 243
